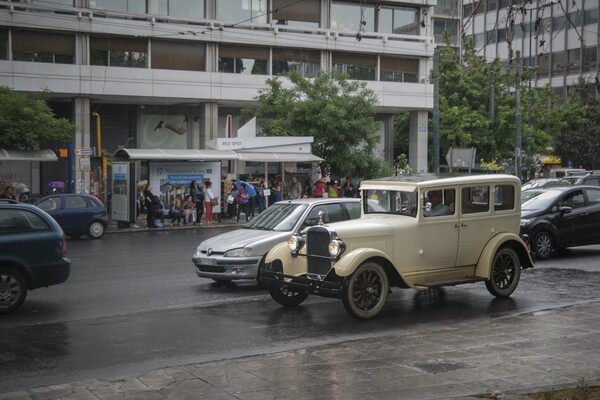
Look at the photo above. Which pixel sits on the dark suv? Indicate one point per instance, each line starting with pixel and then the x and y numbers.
pixel 591 178
pixel 33 253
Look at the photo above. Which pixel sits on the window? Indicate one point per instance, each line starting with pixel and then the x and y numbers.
pixel 50 204
pixel 331 213
pixel 504 198
pixel 558 62
pixel 294 13
pixel 441 201
pixel 177 8
pixel 131 6
pixel 47 2
pixel 347 17
pixel 75 202
pixel 475 199
pixel 573 200
pixel 118 52
pixel 590 16
pixel 3 44
pixel 357 66
pixel 354 209
pixel 304 62
pixel 389 202
pixel 14 221
pixel 247 11
pixel 243 60
pixel 396 69
pixel 178 55
pixel 589 58
pixel 593 196
pixel 573 59
pixel 40 46
pixel 402 20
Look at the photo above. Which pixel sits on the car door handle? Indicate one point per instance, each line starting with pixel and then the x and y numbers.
pixel 461 224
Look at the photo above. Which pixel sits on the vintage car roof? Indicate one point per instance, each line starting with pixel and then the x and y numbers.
pixel 413 181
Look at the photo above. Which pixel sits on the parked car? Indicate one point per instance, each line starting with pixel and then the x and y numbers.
pixel 591 179
pixel 77 214
pixel 240 254
pixel 561 217
pixel 33 253
pixel 539 183
pixel 432 232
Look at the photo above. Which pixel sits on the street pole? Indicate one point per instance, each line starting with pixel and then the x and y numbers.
pixel 436 113
pixel 529 100
pixel 518 138
pixel 101 195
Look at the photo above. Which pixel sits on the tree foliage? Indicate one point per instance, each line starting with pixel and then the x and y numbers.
pixel 478 107
pixel 337 112
pixel 25 122
pixel 577 141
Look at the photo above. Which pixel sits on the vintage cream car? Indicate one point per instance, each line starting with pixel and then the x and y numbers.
pixel 418 231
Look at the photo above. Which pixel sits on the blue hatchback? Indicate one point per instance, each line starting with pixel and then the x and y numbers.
pixel 77 214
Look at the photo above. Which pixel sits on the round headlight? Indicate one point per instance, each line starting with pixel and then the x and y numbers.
pixel 336 247
pixel 294 243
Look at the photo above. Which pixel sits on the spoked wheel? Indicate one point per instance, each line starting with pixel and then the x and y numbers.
pixel 364 293
pixel 542 245
pixel 286 296
pixel 95 230
pixel 13 290
pixel 505 274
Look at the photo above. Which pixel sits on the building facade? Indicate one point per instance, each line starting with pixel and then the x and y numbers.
pixel 170 73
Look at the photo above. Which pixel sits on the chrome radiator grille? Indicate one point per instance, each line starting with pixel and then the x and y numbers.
pixel 317 251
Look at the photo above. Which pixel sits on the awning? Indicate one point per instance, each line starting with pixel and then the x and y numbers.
pixel 27 155
pixel 278 157
pixel 175 155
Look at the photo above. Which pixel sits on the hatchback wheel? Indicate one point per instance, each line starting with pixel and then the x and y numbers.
pixel 505 274
pixel 13 290
pixel 95 230
pixel 543 245
pixel 364 293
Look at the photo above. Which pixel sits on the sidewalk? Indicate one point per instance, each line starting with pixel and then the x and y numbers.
pixel 499 358
pixel 140 225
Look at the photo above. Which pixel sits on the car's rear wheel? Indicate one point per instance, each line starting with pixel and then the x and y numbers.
pixel 543 245
pixel 285 295
pixel 505 273
pixel 13 290
pixel 364 293
pixel 95 230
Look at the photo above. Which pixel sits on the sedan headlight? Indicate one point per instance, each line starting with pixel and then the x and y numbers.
pixel 336 247
pixel 241 252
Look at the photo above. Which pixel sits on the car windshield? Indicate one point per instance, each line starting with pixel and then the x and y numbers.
pixel 390 202
pixel 278 217
pixel 529 194
pixel 541 201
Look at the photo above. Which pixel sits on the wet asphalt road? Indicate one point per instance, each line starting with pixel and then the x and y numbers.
pixel 133 303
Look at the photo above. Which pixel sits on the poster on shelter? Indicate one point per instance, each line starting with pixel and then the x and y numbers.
pixel 120 187
pixel 172 179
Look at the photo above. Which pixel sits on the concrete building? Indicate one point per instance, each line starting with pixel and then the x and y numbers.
pixel 167 74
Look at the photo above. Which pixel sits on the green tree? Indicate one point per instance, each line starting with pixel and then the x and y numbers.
pixel 338 113
pixel 578 137
pixel 25 122
pixel 467 83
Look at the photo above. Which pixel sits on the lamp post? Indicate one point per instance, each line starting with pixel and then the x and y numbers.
pixel 518 136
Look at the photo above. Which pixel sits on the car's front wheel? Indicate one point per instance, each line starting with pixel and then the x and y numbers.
pixel 364 293
pixel 505 273
pixel 285 295
pixel 95 230
pixel 13 290
pixel 543 245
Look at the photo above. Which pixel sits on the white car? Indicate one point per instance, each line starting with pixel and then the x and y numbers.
pixel 426 233
pixel 240 254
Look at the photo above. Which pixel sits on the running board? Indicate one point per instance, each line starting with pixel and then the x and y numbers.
pixel 454 282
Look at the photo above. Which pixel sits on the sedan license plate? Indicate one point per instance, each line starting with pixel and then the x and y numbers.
pixel 207 261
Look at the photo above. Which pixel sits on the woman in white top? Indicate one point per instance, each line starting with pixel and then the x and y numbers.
pixel 210 200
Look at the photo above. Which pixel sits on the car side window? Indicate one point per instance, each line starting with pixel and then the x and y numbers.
pixel 15 221
pixel 504 197
pixel 50 204
pixel 353 210
pixel 573 199
pixel 75 202
pixel 593 196
pixel 331 213
pixel 475 199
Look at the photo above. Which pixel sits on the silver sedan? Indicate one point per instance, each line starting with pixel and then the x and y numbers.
pixel 241 253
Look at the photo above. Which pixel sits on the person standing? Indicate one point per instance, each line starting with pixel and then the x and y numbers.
pixel 295 189
pixel 348 189
pixel 150 205
pixel 210 200
pixel 277 190
pixel 198 198
pixel 319 188
pixel 243 200
pixel 9 193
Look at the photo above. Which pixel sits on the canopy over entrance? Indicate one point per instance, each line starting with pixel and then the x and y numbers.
pixel 175 155
pixel 27 155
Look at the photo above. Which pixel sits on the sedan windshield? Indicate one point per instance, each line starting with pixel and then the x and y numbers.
pixel 279 217
pixel 541 201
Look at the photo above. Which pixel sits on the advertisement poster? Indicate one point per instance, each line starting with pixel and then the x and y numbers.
pixel 172 179
pixel 120 188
